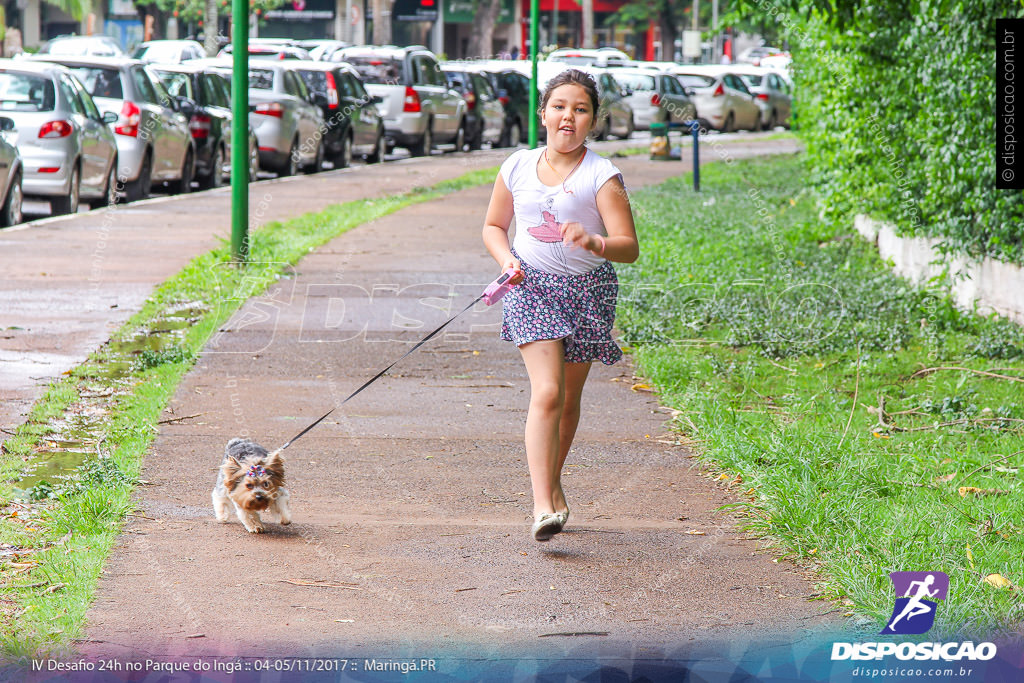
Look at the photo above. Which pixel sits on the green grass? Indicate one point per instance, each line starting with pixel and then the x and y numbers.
pixel 66 536
pixel 797 362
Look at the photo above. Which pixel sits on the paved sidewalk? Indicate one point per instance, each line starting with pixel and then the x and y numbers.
pixel 412 507
pixel 69 282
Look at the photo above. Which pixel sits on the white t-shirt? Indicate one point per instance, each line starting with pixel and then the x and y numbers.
pixel 540 209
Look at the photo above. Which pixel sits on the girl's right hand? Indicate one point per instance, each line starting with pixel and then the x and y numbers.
pixel 513 263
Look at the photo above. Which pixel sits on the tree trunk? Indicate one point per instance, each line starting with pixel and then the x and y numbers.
pixel 588 23
pixel 382 21
pixel 669 34
pixel 210 29
pixel 481 42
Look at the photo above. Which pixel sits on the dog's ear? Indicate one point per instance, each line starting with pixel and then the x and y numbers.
pixel 274 465
pixel 232 470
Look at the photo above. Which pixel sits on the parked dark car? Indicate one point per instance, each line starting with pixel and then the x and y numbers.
pixel 513 90
pixel 352 123
pixel 205 99
pixel 418 107
pixel 485 115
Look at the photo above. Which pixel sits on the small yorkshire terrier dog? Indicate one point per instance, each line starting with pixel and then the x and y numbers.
pixel 253 481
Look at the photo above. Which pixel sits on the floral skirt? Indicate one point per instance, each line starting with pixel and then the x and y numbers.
pixel 579 309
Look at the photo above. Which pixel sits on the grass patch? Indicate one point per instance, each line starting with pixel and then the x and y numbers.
pixel 64 529
pixel 806 372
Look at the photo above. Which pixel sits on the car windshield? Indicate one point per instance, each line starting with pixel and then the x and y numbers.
pixel 575 60
pixel 695 81
pixel 261 79
pixel 753 81
pixel 316 81
pixel 100 81
pixel 636 81
pixel 374 69
pixel 77 48
pixel 175 83
pixel 25 92
pixel 160 52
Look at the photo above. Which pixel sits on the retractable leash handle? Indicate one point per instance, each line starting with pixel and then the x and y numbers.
pixel 499 287
pixel 491 296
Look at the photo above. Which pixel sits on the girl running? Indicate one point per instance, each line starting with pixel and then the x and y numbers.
pixel 572 218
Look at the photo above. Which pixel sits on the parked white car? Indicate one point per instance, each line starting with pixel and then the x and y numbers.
pixel 723 100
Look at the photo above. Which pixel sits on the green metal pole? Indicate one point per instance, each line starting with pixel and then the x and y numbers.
pixel 534 39
pixel 239 130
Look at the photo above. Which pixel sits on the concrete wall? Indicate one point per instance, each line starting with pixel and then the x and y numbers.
pixel 994 285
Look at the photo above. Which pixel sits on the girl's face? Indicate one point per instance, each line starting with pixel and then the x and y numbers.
pixel 568 117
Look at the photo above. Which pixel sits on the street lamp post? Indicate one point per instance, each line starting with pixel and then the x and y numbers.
pixel 239 130
pixel 534 38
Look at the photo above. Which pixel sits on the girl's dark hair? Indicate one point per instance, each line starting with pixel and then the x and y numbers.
pixel 573 77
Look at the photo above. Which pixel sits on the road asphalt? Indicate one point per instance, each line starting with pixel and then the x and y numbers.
pixel 411 505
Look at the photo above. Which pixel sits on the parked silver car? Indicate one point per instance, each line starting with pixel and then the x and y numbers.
pixel 722 99
pixel 153 139
pixel 419 107
pixel 65 143
pixel 655 97
pixel 10 175
pixel 773 94
pixel 615 115
pixel 82 46
pixel 168 51
pixel 283 113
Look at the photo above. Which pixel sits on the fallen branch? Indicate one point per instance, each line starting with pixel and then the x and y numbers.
pixel 1003 458
pixel 928 371
pixel 320 584
pixel 574 633
pixel 856 389
pixel 179 419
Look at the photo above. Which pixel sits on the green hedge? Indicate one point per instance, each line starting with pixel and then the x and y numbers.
pixel 896 103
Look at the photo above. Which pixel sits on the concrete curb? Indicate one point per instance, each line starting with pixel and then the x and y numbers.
pixel 992 285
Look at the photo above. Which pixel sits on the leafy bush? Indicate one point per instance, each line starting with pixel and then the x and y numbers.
pixel 896 102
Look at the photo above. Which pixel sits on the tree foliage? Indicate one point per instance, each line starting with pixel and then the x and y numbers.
pixel 896 103
pixel 193 11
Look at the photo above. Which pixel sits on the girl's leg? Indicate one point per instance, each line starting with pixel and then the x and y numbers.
pixel 575 377
pixel 545 364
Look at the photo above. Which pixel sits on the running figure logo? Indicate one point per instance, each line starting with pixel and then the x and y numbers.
pixel 916 596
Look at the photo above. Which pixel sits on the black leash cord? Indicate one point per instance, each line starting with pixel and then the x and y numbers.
pixel 382 372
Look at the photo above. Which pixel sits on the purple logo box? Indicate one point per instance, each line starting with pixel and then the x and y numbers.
pixel 901 582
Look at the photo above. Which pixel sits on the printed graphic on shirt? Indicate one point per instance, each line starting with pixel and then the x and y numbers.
pixel 548 230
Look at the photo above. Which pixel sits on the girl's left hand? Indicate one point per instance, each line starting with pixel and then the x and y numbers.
pixel 574 235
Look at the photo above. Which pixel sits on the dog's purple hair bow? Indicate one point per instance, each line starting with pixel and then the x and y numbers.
pixel 256 471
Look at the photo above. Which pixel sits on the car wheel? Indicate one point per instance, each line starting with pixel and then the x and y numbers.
pixel 141 187
pixel 477 141
pixel 426 143
pixel 215 178
pixel 727 127
pixel 291 165
pixel 343 159
pixel 109 197
pixel 183 184
pixel 773 121
pixel 61 206
pixel 318 160
pixel 254 163
pixel 605 125
pixel 630 128
pixel 379 150
pixel 12 206
pixel 460 136
pixel 514 135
